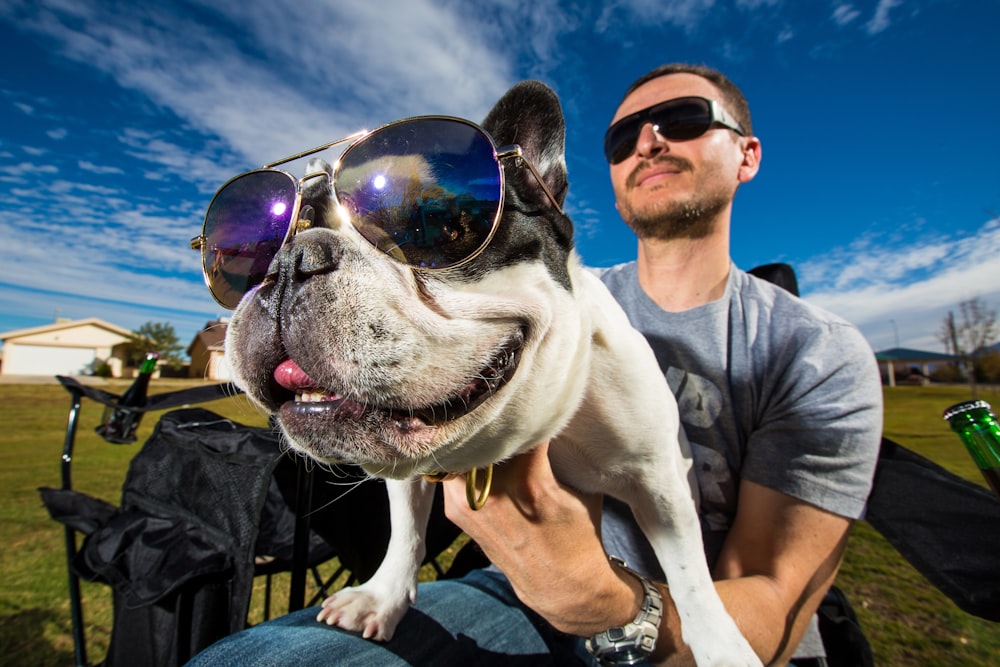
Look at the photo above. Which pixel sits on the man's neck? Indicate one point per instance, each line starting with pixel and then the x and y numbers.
pixel 681 274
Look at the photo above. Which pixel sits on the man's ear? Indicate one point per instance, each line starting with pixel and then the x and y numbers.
pixel 751 160
pixel 530 115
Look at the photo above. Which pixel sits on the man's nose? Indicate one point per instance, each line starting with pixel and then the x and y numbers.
pixel 650 142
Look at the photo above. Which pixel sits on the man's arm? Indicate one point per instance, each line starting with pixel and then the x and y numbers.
pixel 778 560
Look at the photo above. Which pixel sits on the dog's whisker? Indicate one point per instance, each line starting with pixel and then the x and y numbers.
pixel 350 486
pixel 437 464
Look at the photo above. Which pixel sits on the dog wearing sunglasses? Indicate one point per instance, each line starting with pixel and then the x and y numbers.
pixel 407 371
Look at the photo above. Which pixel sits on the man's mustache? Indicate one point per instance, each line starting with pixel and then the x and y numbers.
pixel 679 163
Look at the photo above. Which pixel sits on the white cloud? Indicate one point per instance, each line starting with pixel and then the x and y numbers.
pixel 880 21
pixel 273 84
pixel 98 169
pixel 844 14
pixel 914 285
pixel 18 172
pixel 685 14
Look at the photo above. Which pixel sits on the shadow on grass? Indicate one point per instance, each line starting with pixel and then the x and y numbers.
pixel 23 640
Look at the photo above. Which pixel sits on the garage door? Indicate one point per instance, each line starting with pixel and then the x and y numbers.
pixel 45 360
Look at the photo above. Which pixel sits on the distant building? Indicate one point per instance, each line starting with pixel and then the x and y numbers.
pixel 208 352
pixel 905 357
pixel 66 347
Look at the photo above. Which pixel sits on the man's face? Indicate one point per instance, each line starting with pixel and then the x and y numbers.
pixel 678 189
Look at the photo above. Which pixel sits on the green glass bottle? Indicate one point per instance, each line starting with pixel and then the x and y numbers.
pixel 119 424
pixel 977 426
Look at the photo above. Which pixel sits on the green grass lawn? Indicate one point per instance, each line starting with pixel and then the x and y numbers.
pixel 907 621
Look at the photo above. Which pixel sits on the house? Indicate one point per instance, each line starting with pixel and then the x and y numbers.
pixel 66 347
pixel 208 352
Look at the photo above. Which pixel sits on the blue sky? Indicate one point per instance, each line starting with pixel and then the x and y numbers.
pixel 880 180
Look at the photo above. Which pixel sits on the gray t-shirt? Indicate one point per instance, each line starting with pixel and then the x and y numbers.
pixel 771 389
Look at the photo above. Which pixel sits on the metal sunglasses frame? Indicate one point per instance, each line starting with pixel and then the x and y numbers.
pixel 300 220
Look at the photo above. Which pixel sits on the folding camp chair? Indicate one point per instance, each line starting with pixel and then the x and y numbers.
pixel 191 507
pixel 62 504
pixel 202 498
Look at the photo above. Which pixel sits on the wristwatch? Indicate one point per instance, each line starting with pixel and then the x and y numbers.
pixel 633 642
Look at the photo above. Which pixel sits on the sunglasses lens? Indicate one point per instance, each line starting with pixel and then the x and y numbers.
pixel 425 191
pixel 620 140
pixel 245 226
pixel 676 120
pixel 682 119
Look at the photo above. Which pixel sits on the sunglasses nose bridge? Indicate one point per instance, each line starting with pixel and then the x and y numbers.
pixel 305 219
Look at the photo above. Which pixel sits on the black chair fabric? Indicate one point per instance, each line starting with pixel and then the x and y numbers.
pixel 782 275
pixel 947 527
pixel 351 513
pixel 179 550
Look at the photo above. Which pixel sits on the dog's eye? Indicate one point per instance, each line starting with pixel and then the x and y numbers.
pixel 462 235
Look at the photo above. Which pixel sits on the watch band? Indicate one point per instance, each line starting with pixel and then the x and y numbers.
pixel 633 642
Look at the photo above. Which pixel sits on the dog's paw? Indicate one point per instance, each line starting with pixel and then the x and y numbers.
pixel 373 615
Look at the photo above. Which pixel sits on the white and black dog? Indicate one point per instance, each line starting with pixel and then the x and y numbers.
pixel 405 372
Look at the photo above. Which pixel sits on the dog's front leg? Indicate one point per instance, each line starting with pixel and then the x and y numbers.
pixel 668 518
pixel 375 608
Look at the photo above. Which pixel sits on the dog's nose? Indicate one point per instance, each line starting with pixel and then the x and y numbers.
pixel 306 255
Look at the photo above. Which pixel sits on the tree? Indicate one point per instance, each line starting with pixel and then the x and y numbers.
pixel 948 335
pixel 157 337
pixel 974 330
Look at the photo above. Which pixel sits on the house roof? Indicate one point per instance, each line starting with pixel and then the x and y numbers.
pixel 906 354
pixel 61 325
pixel 212 335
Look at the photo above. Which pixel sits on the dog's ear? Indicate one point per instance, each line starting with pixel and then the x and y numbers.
pixel 530 115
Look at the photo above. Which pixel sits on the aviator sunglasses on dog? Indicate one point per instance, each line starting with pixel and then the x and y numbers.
pixel 680 119
pixel 427 191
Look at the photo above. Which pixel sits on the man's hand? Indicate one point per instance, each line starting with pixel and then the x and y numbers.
pixel 546 538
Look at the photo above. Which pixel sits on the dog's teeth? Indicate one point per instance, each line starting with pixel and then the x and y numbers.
pixel 313 397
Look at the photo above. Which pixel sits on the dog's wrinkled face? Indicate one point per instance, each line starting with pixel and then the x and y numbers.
pixel 367 360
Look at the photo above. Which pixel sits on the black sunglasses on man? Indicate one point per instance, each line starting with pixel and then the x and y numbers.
pixel 680 119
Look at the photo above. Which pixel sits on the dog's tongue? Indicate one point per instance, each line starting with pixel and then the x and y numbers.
pixel 291 377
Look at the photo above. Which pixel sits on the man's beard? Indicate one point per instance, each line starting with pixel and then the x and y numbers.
pixel 693 218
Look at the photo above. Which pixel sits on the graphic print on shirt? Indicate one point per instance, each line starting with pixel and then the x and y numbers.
pixel 700 403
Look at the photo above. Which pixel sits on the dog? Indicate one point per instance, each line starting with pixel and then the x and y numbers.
pixel 407 372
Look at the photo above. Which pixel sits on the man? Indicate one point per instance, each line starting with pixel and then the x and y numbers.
pixel 780 401
pixel 798 453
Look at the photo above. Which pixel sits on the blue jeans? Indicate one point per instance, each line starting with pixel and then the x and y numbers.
pixel 476 620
